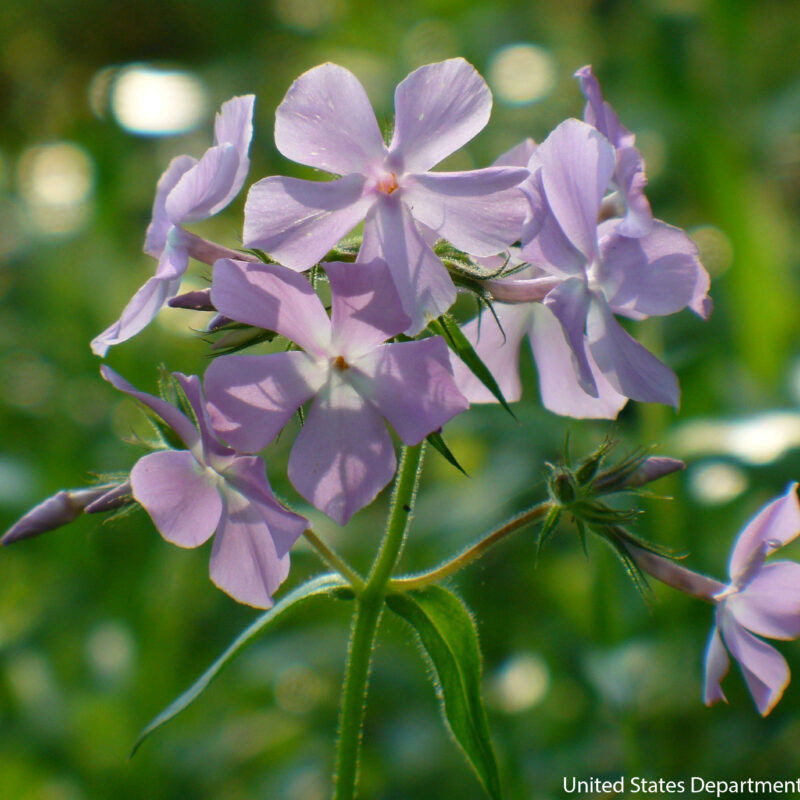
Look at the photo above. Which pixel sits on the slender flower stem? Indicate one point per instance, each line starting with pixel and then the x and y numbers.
pixel 674 575
pixel 334 560
pixel 369 605
pixel 472 553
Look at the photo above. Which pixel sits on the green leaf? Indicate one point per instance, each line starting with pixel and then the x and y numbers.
pixel 454 336
pixel 438 443
pixel 449 637
pixel 324 584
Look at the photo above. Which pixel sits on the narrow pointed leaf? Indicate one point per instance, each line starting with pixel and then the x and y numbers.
pixel 324 584
pixel 460 345
pixel 438 443
pixel 449 637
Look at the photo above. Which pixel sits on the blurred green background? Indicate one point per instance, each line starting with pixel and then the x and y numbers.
pixel 101 626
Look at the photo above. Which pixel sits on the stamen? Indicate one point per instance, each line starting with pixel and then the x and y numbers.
pixel 388 183
pixel 340 364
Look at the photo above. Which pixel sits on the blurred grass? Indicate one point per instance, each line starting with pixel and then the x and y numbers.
pixel 101 627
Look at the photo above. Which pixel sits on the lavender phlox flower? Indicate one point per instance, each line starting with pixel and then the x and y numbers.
pixel 64 507
pixel 326 121
pixel 762 598
pixel 188 191
pixel 343 455
pixel 191 494
pixel 629 175
pixel 585 273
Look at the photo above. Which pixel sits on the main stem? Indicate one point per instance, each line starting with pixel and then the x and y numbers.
pixel 366 618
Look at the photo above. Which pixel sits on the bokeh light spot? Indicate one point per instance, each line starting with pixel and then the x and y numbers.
pixel 716 250
pixel 308 15
pixel 56 182
pixel 158 102
pixel 521 683
pixel 716 482
pixel 522 73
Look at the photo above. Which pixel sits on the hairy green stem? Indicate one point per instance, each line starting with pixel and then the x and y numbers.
pixel 472 553
pixel 334 560
pixel 369 605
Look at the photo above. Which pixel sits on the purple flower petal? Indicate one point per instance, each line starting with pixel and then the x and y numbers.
pixel 411 384
pixel 203 190
pixel 577 165
pixel 716 668
pixel 326 121
pixel 653 275
pixel 139 312
pixel 297 222
pixel 234 125
pixel 765 670
pixel 251 398
pixel 215 454
pixel 599 113
pixel 773 526
pixel 272 297
pixel 422 281
pixel 244 560
pixel 178 421
pixel 498 348
pixel 247 475
pixel 631 179
pixel 479 211
pixel 543 242
pixel 365 306
pixel 160 224
pixel 630 369
pixel 179 495
pixel 343 456
pixel 517 156
pixel 770 604
pixel 558 381
pixel 569 302
pixel 438 108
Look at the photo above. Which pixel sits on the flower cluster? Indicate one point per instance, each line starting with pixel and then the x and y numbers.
pixel 546 213
pixel 557 238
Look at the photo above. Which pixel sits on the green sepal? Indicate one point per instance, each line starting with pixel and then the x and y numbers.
pixel 630 566
pixel 548 528
pixel 237 336
pixel 323 584
pixel 259 254
pixel 438 443
pixel 445 326
pixel 450 641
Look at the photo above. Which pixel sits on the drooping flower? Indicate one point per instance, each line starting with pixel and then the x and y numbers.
pixel 188 191
pixel 762 598
pixel 326 121
pixel 583 273
pixel 191 494
pixel 629 175
pixel 343 456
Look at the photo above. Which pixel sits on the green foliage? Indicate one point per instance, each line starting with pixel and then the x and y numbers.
pixel 324 584
pixel 450 639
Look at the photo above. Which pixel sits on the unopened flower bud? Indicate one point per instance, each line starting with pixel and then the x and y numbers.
pixel 562 488
pixel 114 498
pixel 632 475
pixel 651 469
pixel 196 301
pixel 63 507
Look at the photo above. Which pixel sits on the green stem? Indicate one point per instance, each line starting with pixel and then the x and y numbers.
pixel 366 618
pixel 472 553
pixel 334 560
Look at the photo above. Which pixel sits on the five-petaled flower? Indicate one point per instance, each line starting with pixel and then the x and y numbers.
pixel 326 121
pixel 583 273
pixel 343 456
pixel 188 191
pixel 208 487
pixel 763 598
